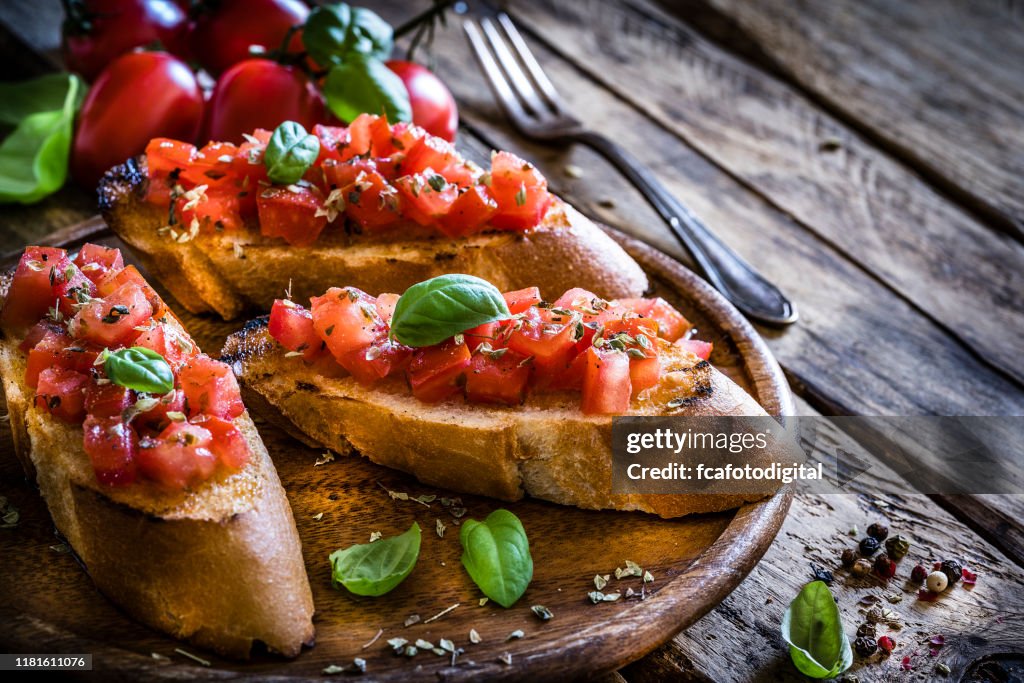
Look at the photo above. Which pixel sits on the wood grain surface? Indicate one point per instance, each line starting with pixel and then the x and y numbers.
pixel 696 561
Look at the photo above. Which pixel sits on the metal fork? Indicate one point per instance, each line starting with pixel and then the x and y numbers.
pixel 530 100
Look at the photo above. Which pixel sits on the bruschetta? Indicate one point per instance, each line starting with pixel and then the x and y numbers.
pixel 145 455
pixel 517 406
pixel 382 207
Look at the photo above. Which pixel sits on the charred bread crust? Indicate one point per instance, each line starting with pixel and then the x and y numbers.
pixel 546 448
pixel 229 272
pixel 220 566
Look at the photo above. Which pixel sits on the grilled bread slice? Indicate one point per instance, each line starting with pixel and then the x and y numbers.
pixel 546 448
pixel 228 272
pixel 220 566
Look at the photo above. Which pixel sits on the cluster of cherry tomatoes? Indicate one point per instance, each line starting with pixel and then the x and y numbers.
pixel 137 55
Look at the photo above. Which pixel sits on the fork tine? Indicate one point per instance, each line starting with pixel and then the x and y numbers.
pixel 495 77
pixel 547 88
pixel 510 65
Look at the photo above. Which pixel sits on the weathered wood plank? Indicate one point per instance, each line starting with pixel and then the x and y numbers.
pixel 859 347
pixel 773 140
pixel 939 81
pixel 740 639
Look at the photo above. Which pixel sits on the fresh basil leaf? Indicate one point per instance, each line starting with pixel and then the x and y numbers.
pixel 34 157
pixel 814 630
pixel 140 369
pixel 433 310
pixel 335 32
pixel 496 553
pixel 365 84
pixel 290 152
pixel 376 568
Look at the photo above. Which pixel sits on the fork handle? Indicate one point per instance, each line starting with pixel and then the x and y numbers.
pixel 724 268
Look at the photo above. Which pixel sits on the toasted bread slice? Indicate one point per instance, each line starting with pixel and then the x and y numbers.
pixel 220 566
pixel 228 272
pixel 547 448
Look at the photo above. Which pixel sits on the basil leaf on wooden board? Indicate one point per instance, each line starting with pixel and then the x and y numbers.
pixel 376 568
pixel 34 156
pixel 333 33
pixel 140 369
pixel 814 630
pixel 496 553
pixel 290 152
pixel 433 310
pixel 364 84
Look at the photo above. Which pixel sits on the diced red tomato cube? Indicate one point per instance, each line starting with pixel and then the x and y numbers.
pixel 107 400
pixel 520 191
pixel 346 320
pixel 156 419
pixel 483 334
pixel 71 287
pixel 291 326
pixel 332 138
pixel 435 371
pixel 111 447
pixel 228 444
pixel 426 197
pixel 671 323
pixel 551 345
pixel 61 392
pixel 114 280
pixel 359 137
pixel 57 349
pixel 165 159
pixel 569 378
pixel 179 457
pixel 367 197
pixel 31 294
pixel 497 378
pixel 291 213
pixel 701 349
pixel 173 344
pixel 95 261
pixel 210 388
pixel 430 152
pixel 470 213
pixel 111 321
pixel 386 306
pixel 376 361
pixel 644 373
pixel 642 331
pixel 521 299
pixel 38 331
pixel 606 383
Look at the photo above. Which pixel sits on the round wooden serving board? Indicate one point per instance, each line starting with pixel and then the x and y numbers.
pixel 48 604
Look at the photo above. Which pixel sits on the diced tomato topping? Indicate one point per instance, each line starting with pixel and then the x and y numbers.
pixel 57 349
pixel 520 191
pixel 644 373
pixel 291 213
pixel 697 347
pixel 95 261
pixel 175 346
pixel 359 137
pixel 331 139
pixel 470 213
pixel 107 400
pixel 165 159
pixel 158 417
pixel 61 392
pixel 366 196
pixel 31 294
pixel 386 306
pixel 426 197
pixel 435 371
pixel 483 334
pixel 229 445
pixel 38 331
pixel 292 326
pixel 111 447
pixel 220 209
pixel 111 321
pixel 376 361
pixel 569 378
pixel 671 323
pixel 497 378
pixel 115 280
pixel 179 457
pixel 430 152
pixel 346 319
pixel 210 388
pixel 606 383
pixel 551 345
pixel 522 299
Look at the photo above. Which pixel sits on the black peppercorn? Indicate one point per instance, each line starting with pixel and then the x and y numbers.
pixel 897 547
pixel 848 557
pixel 878 531
pixel 952 570
pixel 919 574
pixel 866 630
pixel 868 546
pixel 865 646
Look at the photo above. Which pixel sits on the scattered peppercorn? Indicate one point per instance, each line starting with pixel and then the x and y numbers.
pixel 919 574
pixel 822 574
pixel 937 582
pixel 860 568
pixel 885 567
pixel 897 547
pixel 866 630
pixel 848 557
pixel 868 546
pixel 887 644
pixel 878 531
pixel 874 615
pixel 952 569
pixel 865 647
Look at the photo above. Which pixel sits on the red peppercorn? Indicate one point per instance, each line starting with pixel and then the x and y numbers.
pixel 885 567
pixel 886 644
pixel 919 574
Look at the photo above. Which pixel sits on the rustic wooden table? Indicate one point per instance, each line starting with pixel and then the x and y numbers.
pixel 868 156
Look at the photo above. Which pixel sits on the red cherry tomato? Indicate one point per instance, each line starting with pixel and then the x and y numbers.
pixel 224 33
pixel 141 95
pixel 98 31
pixel 260 93
pixel 433 106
